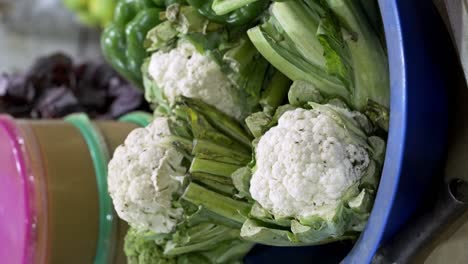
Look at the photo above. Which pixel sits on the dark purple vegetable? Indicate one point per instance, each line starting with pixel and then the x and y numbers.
pixel 54 87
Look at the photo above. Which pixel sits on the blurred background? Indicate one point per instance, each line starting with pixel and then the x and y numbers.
pixel 51 65
pixel 33 28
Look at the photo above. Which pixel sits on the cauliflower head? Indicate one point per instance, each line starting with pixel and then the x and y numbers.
pixel 143 176
pixel 184 71
pixel 305 164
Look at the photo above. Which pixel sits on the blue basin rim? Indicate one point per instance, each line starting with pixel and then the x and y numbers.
pixel 417 137
pixel 418 121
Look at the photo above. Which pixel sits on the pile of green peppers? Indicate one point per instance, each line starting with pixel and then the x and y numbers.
pixel 122 41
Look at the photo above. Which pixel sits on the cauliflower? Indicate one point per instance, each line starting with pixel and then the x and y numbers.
pixel 314 175
pixel 143 175
pixel 199 59
pixel 184 71
pixel 169 179
pixel 305 164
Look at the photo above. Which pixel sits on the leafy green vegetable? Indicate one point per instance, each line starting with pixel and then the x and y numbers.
pixel 141 248
pixel 316 161
pixel 333 46
pixel 231 12
pixel 222 7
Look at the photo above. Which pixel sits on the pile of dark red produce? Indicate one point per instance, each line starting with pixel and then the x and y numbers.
pixel 55 87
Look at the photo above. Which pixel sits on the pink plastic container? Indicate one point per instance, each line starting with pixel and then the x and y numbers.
pixel 20 201
pixel 50 202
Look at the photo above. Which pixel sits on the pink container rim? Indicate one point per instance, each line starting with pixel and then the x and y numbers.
pixel 17 210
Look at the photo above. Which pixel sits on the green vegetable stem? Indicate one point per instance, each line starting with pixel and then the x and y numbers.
pixel 333 46
pixel 233 12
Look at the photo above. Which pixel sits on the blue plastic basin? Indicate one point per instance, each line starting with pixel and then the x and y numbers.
pixel 417 46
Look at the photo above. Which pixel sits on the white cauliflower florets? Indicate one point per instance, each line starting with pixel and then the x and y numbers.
pixel 143 176
pixel 304 165
pixel 184 71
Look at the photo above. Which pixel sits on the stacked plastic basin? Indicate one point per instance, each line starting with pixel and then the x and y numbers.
pixel 54 204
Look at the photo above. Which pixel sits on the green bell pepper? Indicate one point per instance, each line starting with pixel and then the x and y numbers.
pixel 238 17
pixel 122 41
